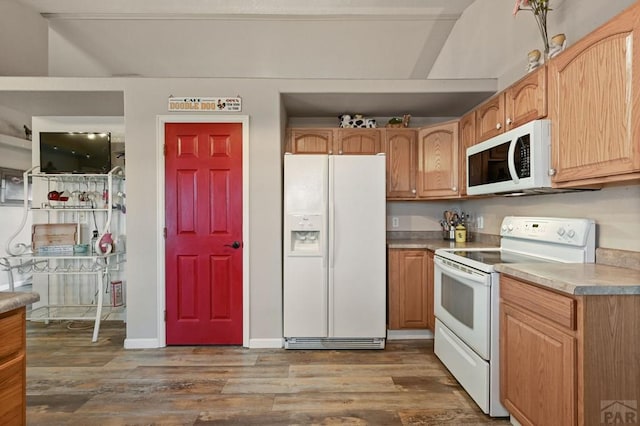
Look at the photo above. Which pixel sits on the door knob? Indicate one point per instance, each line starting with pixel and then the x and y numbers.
pixel 234 245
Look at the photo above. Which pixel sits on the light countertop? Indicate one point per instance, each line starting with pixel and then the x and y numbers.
pixel 434 244
pixel 569 278
pixel 577 278
pixel 14 300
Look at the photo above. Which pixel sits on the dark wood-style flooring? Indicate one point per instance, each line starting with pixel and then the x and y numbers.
pixel 71 381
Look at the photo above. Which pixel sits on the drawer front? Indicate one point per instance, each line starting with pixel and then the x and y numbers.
pixel 551 306
pixel 12 391
pixel 11 332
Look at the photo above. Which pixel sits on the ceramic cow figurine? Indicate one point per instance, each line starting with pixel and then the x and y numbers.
pixel 357 121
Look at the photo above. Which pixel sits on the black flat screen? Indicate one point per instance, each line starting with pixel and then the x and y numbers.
pixel 73 152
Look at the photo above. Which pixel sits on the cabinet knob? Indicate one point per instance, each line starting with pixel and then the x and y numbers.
pixel 455 188
pixel 413 191
pixel 509 121
pixel 340 152
pixel 498 126
pixel 330 152
pixel 552 172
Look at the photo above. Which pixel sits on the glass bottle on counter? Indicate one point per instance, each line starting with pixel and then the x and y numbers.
pixel 94 240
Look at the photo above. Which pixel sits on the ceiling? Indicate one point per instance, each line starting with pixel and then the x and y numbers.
pixel 292 39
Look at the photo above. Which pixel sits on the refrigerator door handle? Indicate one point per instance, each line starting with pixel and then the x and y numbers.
pixel 332 220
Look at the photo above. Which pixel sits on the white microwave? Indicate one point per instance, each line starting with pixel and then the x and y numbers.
pixel 515 162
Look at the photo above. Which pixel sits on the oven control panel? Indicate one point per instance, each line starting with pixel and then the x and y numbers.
pixel 567 231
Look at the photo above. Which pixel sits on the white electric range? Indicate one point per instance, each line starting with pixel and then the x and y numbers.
pixel 467 294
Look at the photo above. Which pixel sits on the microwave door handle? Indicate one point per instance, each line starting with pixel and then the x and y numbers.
pixel 511 162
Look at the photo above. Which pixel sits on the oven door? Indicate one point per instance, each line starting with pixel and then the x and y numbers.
pixel 463 303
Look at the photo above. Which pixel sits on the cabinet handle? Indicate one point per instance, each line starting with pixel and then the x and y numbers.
pixel 340 152
pixel 455 188
pixel 413 191
pixel 498 126
pixel 552 172
pixel 330 152
pixel 509 121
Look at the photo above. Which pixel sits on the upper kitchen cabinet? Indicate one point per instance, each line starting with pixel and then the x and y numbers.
pixel 467 129
pixel 524 101
pixel 358 141
pixel 310 141
pixel 437 175
pixel 490 118
pixel 400 147
pixel 594 98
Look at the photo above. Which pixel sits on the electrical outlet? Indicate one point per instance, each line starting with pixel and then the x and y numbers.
pixel 480 222
pixel 395 222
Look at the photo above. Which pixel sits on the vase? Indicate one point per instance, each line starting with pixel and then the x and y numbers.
pixel 556 45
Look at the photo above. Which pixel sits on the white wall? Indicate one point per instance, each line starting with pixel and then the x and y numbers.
pixel 12 122
pixel 616 211
pixel 13 157
pixel 144 100
pixel 62 52
pixel 23 40
pixel 489 42
pixel 418 215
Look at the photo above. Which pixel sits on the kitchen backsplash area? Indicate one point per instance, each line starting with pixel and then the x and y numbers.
pixel 616 211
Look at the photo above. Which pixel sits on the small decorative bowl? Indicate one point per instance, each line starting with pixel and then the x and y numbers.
pixel 81 248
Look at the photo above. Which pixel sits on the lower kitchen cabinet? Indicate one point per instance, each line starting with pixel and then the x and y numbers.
pixel 538 369
pixel 410 301
pixel 13 368
pixel 567 360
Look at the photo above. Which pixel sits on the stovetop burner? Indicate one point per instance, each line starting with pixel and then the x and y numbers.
pixel 492 257
pixel 531 240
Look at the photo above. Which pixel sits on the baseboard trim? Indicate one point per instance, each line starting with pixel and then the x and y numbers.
pixel 141 343
pixel 277 343
pixel 422 334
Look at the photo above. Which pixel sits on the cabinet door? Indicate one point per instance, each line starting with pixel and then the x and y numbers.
pixel 526 100
pixel 311 141
pixel 594 100
pixel 13 391
pixel 490 118
pixel 467 135
pixel 358 141
pixel 537 369
pixel 400 148
pixel 408 303
pixel 438 161
pixel 13 367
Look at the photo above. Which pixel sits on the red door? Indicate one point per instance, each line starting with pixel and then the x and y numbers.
pixel 203 203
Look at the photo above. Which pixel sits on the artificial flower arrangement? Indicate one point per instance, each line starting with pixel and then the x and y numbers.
pixel 552 47
pixel 539 8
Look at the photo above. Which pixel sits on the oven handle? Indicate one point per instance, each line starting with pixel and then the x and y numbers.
pixel 469 276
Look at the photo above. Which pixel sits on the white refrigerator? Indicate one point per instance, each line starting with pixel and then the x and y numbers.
pixel 334 293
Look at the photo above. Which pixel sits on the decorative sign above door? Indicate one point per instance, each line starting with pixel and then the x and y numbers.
pixel 208 104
